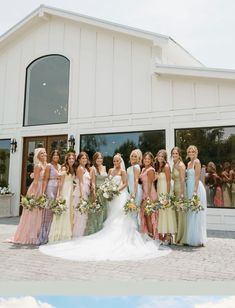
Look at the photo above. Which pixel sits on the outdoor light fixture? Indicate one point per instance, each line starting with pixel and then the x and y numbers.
pixel 13 145
pixel 71 142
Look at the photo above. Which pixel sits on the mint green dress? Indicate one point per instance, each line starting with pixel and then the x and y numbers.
pixel 180 216
pixel 95 220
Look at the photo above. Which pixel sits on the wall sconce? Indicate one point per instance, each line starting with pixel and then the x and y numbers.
pixel 71 142
pixel 13 145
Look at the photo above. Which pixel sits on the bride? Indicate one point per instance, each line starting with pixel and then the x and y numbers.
pixel 119 238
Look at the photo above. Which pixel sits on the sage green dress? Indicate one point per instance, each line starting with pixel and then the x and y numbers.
pixel 180 216
pixel 95 220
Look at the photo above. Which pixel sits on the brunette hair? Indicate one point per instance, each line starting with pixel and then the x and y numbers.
pixel 94 158
pixel 226 165
pixel 69 170
pixel 151 157
pixel 53 153
pixel 87 166
pixel 159 168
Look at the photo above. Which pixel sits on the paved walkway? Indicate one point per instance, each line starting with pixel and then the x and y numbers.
pixel 215 262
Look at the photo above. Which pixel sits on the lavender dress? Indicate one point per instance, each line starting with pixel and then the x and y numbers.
pixel 47 215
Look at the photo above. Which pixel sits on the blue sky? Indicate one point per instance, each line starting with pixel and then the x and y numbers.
pixel 117 302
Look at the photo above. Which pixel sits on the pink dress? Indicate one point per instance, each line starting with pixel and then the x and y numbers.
pixel 30 222
pixel 80 220
pixel 153 196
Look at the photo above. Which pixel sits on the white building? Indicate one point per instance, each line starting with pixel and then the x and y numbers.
pixel 64 74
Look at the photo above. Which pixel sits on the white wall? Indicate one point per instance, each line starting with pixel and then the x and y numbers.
pixel 112 87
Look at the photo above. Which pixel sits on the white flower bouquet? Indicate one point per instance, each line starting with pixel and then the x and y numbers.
pixel 149 207
pixel 5 191
pixel 83 206
pixel 195 204
pixel 29 202
pixel 108 189
pixel 130 206
pixel 164 201
pixel 43 202
pixel 58 206
pixel 95 207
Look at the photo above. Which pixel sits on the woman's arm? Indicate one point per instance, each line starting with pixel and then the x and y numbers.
pixel 79 174
pixel 36 171
pixel 136 179
pixel 150 177
pixel 197 175
pixel 93 181
pixel 61 181
pixel 167 171
pixel 46 178
pixel 124 180
pixel 182 178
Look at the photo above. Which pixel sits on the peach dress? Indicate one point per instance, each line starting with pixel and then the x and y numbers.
pixel 30 222
pixel 153 196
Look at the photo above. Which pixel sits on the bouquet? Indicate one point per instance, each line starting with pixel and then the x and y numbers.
pixel 149 207
pixel 43 202
pixel 29 202
pixel 108 190
pixel 83 206
pixel 195 204
pixel 164 201
pixel 179 204
pixel 5 191
pixel 58 206
pixel 95 207
pixel 130 206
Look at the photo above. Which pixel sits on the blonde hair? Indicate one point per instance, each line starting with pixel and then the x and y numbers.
pixel 193 148
pixel 118 155
pixel 36 160
pixel 138 154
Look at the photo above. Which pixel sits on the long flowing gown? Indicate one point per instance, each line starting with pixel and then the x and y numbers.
pixel 180 216
pixel 167 218
pixel 118 240
pixel 80 220
pixel 96 220
pixel 30 222
pixel 196 221
pixel 47 214
pixel 61 228
pixel 131 188
pixel 153 196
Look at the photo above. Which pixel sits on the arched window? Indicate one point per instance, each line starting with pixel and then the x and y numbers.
pixel 47 91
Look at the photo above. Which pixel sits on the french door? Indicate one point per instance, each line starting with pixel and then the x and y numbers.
pixel 50 143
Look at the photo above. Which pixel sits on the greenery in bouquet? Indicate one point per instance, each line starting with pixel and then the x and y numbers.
pixel 83 206
pixel 58 206
pixel 108 190
pixel 149 207
pixel 164 201
pixel 179 204
pixel 195 204
pixel 5 190
pixel 130 206
pixel 29 202
pixel 95 207
pixel 43 202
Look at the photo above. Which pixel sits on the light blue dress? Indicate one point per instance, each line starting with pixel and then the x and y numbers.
pixel 196 221
pixel 139 193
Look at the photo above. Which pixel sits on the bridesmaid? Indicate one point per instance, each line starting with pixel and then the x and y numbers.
pixel 61 227
pixel 149 224
pixel 82 191
pixel 232 180
pixel 196 222
pixel 98 175
pixel 50 187
pixel 226 184
pixel 178 176
pixel 167 226
pixel 30 222
pixel 133 174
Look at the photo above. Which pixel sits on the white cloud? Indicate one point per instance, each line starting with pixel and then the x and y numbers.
pixel 23 302
pixel 228 302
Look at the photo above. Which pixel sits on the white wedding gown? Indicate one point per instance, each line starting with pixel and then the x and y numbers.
pixel 118 240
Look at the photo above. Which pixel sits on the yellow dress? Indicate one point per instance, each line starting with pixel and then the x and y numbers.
pixel 167 218
pixel 61 228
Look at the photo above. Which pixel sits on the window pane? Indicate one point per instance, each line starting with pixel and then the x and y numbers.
pixel 216 145
pixel 4 161
pixel 123 143
pixel 47 91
